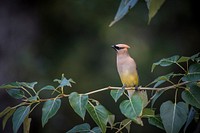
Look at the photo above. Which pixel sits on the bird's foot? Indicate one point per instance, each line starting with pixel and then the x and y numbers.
pixel 136 88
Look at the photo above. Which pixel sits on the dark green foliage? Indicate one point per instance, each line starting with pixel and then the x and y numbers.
pixel 79 103
pixel 84 128
pixel 19 116
pixel 16 93
pixel 116 94
pixel 49 109
pixel 132 108
pixel 172 116
pixel 99 114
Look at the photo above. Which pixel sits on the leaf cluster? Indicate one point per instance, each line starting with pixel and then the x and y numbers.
pixel 172 117
pixel 125 6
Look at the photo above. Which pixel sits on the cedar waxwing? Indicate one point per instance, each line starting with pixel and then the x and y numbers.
pixel 126 67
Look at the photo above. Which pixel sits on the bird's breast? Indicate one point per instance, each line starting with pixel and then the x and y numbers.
pixel 129 79
pixel 127 70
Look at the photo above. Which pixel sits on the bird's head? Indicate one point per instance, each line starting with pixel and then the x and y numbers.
pixel 121 48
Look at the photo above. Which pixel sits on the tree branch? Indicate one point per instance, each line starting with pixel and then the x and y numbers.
pixel 117 88
pixel 139 88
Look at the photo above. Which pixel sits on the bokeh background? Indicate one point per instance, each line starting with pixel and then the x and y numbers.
pixel 40 40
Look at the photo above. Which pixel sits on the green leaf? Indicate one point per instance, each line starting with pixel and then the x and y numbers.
pixel 27 85
pixel 111 120
pixel 8 115
pixel 156 121
pixel 49 109
pixel 197 59
pixel 193 57
pixel 99 114
pixel 143 96
pixel 26 125
pixel 123 9
pixel 198 84
pixel 154 6
pixel 19 116
pixel 183 59
pixel 148 112
pixel 192 77
pixel 194 68
pixel 15 93
pixel 192 95
pixel 64 82
pixel 72 81
pixel 96 130
pixel 5 111
pixel 190 117
pixel 173 116
pixel 161 79
pixel 116 94
pixel 138 121
pixel 48 87
pixel 10 85
pixel 165 62
pixel 78 102
pixel 132 108
pixel 82 128
pixel 194 73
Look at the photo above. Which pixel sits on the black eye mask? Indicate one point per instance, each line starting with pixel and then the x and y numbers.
pixel 117 48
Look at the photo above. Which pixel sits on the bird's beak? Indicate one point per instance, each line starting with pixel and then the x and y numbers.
pixel 113 46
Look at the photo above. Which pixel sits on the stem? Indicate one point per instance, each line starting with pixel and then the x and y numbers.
pixel 165 88
pixel 126 95
pixel 26 91
pixel 93 100
pixel 24 103
pixel 115 128
pixel 59 96
pixel 118 88
pixel 170 81
pixel 62 90
pixel 91 104
pixel 181 67
pixel 139 88
pixel 34 106
pixel 55 90
pixel 34 91
pixel 124 126
pixel 176 92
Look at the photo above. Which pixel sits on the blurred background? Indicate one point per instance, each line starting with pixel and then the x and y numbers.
pixel 40 40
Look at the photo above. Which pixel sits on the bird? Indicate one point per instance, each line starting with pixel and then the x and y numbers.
pixel 126 67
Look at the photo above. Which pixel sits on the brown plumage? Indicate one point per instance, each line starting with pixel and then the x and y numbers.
pixel 126 67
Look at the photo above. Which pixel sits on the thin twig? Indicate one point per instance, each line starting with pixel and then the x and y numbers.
pixel 99 90
pixel 60 96
pixel 26 91
pixel 124 126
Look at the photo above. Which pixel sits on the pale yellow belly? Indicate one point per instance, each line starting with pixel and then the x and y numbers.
pixel 129 79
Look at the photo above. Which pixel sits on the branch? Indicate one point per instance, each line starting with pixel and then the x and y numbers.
pixel 139 88
pixel 117 88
